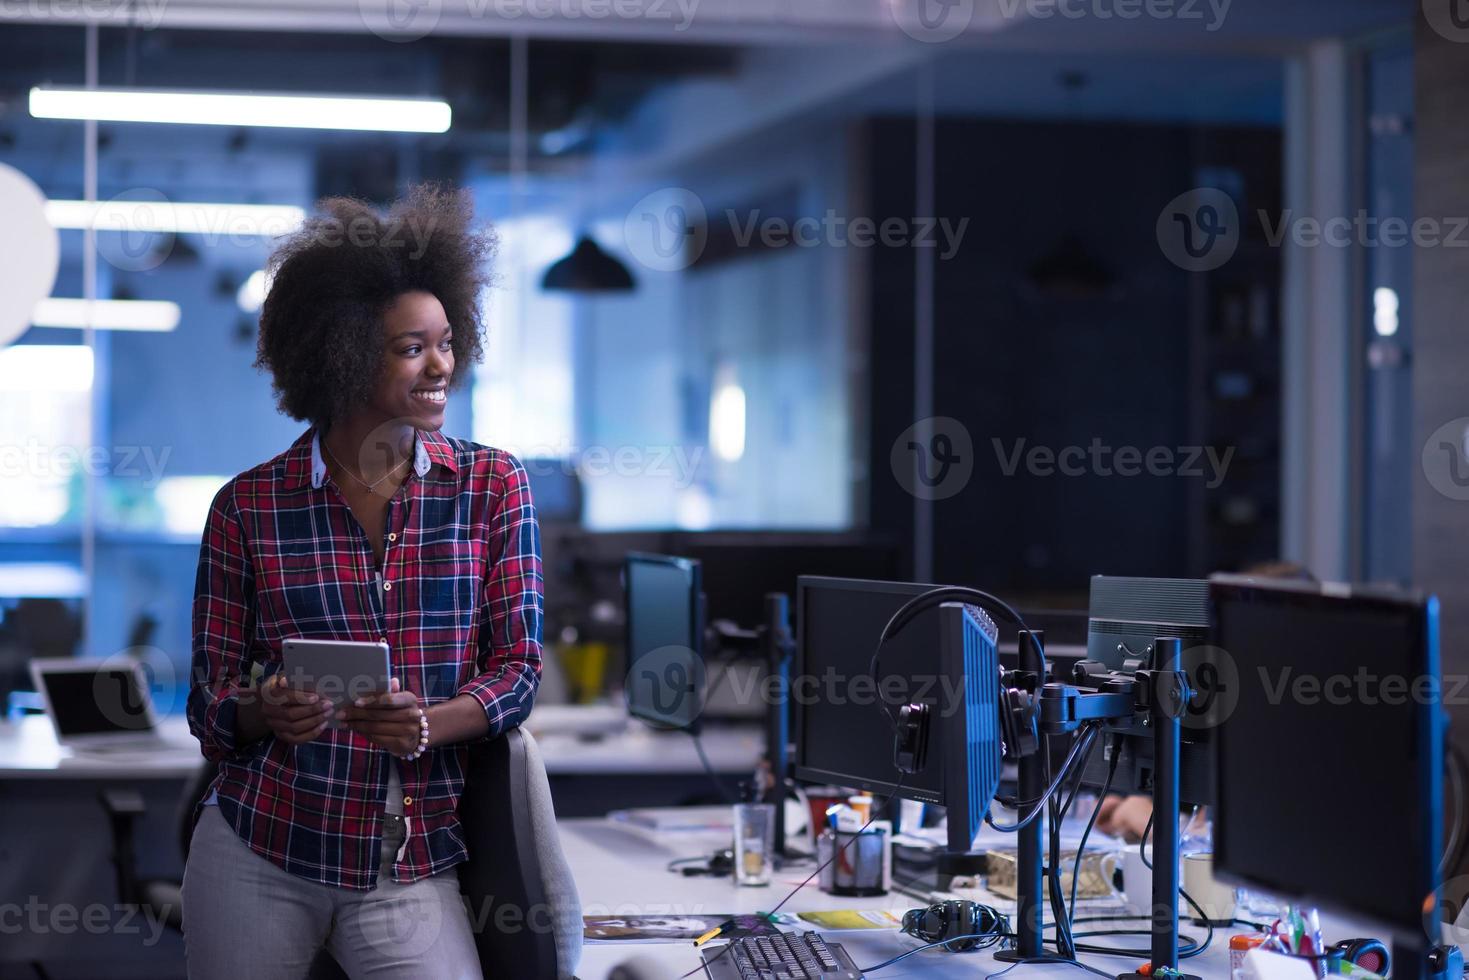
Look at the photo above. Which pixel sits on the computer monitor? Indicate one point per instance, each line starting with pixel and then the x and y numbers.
pixel 95 701
pixel 556 489
pixel 1125 615
pixel 1330 757
pixel 945 658
pixel 740 568
pixel 665 684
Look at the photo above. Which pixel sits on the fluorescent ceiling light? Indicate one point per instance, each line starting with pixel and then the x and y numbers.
pixel 42 580
pixel 178 217
pixel 242 109
pixel 107 314
pixel 46 367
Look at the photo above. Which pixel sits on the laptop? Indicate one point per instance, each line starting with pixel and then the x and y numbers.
pixel 98 706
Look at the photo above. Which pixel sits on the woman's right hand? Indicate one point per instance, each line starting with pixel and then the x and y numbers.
pixel 294 716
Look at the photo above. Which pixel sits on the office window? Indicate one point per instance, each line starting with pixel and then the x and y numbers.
pixel 45 433
pixel 523 399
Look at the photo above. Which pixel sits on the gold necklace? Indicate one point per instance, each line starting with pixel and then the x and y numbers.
pixel 371 487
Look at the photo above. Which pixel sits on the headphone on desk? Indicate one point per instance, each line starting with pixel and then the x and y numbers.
pixel 967 923
pixel 1369 954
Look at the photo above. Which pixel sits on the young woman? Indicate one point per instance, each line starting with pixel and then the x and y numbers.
pixel 371 526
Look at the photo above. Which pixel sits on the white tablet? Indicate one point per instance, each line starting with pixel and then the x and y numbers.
pixel 339 670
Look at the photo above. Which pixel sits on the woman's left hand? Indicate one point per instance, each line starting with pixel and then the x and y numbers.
pixel 389 720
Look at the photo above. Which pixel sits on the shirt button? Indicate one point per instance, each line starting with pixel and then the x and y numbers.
pixel 407 801
pixel 382 639
pixel 392 535
pixel 387 586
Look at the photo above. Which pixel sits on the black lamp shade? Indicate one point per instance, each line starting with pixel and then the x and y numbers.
pixel 588 269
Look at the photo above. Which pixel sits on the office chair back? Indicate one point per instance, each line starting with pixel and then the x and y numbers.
pixel 522 900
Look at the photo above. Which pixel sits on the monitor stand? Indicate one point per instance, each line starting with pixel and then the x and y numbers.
pixel 1162 691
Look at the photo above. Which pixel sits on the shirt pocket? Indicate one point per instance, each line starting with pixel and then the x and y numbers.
pixel 448 576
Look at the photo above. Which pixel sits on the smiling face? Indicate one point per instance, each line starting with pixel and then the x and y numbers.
pixel 418 362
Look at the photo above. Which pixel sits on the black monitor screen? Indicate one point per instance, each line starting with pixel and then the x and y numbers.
pixel 665 669
pixel 739 569
pixel 842 735
pixel 1329 760
pixel 95 702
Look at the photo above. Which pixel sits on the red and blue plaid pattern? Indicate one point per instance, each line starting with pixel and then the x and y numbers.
pixel 461 611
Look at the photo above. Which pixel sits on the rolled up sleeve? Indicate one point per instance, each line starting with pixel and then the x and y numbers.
pixel 511 608
pixel 223 624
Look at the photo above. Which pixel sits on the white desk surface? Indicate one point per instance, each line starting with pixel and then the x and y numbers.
pixel 620 870
pixel 29 750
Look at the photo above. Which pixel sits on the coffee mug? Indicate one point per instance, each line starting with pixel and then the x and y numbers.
pixel 1136 890
pixel 1217 900
pixel 1197 876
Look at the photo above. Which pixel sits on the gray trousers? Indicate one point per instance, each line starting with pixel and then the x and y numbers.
pixel 245 917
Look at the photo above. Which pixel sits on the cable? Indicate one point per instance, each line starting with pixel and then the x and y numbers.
pixel 1142 850
pixel 1081 848
pixel 1193 949
pixel 1080 771
pixel 1039 804
pixel 1051 959
pixel 1064 945
pixel 989 939
pixel 709 768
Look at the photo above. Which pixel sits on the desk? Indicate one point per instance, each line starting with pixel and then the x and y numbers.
pixel 29 750
pixel 55 849
pixel 620 871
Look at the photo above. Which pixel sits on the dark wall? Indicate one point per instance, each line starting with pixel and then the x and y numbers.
pixel 1441 344
pixel 1059 321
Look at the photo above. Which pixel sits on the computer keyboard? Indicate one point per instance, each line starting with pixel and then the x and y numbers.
pixel 780 957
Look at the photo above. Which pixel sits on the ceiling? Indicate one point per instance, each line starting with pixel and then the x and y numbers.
pixel 1187 23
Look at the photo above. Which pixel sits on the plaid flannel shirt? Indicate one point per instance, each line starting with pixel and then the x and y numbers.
pixel 461 611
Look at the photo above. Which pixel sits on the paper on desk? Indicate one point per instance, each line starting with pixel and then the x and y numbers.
pixel 853 919
pixel 676 819
pixel 663 928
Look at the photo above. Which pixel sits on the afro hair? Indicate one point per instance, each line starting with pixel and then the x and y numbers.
pixel 321 329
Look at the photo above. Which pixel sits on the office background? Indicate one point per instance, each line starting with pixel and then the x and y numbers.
pixel 1021 307
pixel 1046 314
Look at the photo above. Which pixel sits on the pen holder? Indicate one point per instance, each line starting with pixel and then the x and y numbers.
pixel 858 865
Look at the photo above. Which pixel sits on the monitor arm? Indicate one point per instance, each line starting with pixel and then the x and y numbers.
pixel 1156 697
